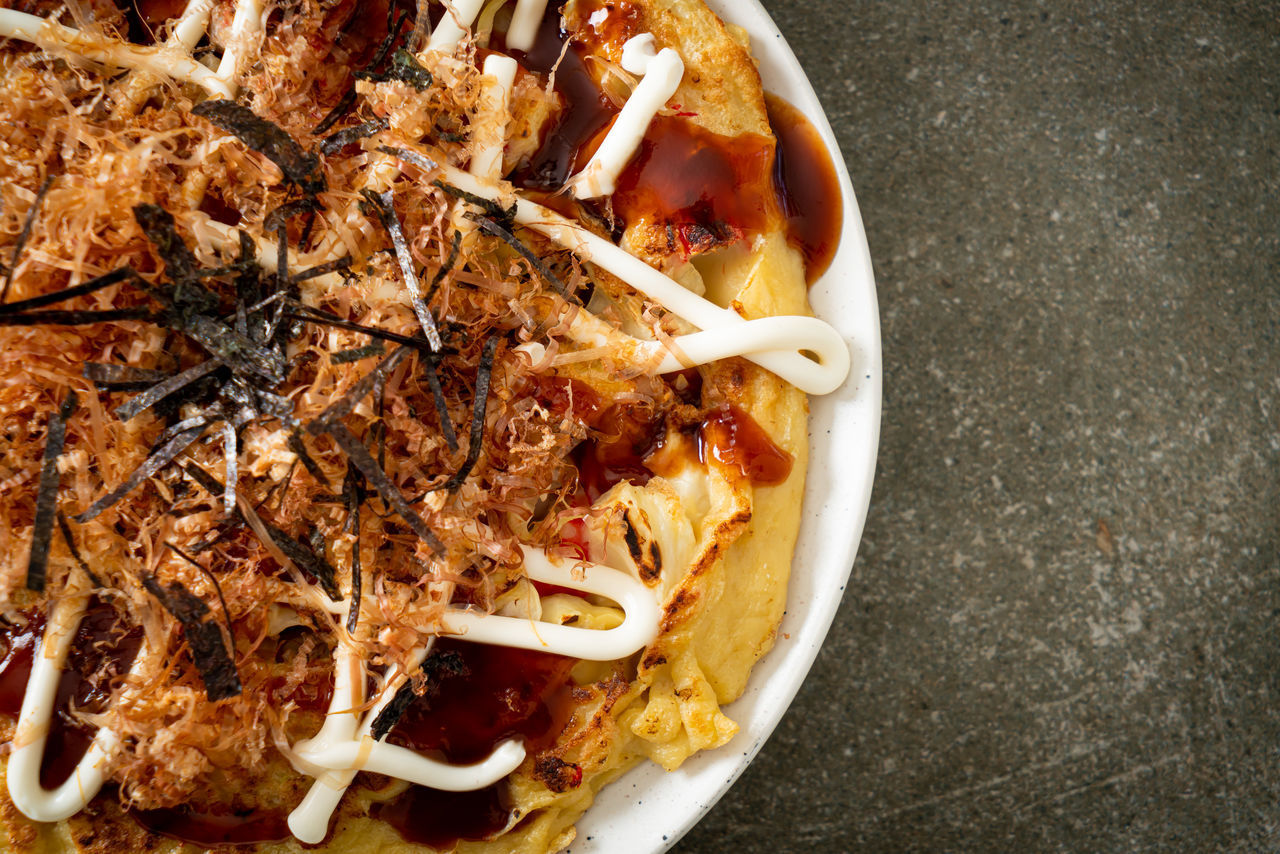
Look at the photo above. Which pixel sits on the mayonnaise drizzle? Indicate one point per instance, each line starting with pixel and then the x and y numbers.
pixel 523 30
pixel 662 72
pixel 35 718
pixel 344 745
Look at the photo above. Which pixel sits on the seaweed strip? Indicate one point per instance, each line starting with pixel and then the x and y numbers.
pixel 163 389
pixel 238 352
pixel 158 459
pixel 393 711
pixel 337 141
pixel 47 494
pixel 208 647
pixel 377 478
pixel 492 208
pixel 405 68
pixel 483 376
pixel 349 97
pixel 306 559
pixel 24 235
pixel 75 318
pixel 339 110
pixel 442 407
pixel 437 665
pixel 342 407
pixel 271 141
pixel 492 227
pixel 342 357
pixel 69 539
pixel 95 284
pixel 385 206
pixel 445 268
pixel 226 612
pixel 311 315
pixel 424 163
pixel 180 265
pixel 327 267
pixel 353 497
pixel 230 460
pixel 110 373
pixel 308 462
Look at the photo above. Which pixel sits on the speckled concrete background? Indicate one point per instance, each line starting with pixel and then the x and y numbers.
pixel 1061 631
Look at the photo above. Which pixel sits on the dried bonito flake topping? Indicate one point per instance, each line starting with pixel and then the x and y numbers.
pixel 361 478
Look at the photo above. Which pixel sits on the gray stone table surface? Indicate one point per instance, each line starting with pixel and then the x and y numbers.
pixel 1061 629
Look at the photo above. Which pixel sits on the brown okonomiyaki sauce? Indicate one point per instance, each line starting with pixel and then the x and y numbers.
pixel 808 190
pixel 103 648
pixel 488 695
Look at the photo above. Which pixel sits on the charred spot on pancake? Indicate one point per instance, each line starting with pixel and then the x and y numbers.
pixel 556 774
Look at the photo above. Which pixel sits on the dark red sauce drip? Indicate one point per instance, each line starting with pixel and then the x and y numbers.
pixel 807 186
pixel 629 434
pixel 733 438
pixel 440 819
pixel 586 109
pixel 145 17
pixel 207 828
pixel 707 187
pixel 504 693
pixel 102 649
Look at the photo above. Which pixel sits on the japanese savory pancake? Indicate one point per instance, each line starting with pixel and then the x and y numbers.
pixel 430 402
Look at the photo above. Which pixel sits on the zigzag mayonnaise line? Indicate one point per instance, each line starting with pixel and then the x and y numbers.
pixel 169 60
pixel 344 747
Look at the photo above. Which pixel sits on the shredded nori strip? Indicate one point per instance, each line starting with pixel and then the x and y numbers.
pixel 342 357
pixel 75 318
pixel 353 496
pixel 349 97
pixel 213 579
pixel 342 407
pixel 24 235
pixel 393 711
pixel 323 318
pixel 377 478
pixel 69 539
pixel 483 375
pixel 405 68
pixel 422 162
pixel 299 167
pixel 342 263
pixel 308 462
pixel 189 297
pixel 442 407
pixel 113 376
pixel 492 208
pixel 490 226
pixel 437 665
pixel 307 559
pixel 159 458
pixel 163 389
pixel 243 355
pixel 445 268
pixel 339 110
pixel 337 141
pixel 385 206
pixel 209 650
pixel 47 494
pixel 230 458
pixel 97 283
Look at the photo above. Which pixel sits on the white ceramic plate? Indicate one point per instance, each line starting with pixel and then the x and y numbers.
pixel 648 809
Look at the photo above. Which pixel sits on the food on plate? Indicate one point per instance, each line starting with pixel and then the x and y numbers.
pixel 402 410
